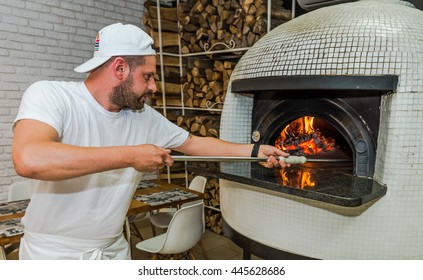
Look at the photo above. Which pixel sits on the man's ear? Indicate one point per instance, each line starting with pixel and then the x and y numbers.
pixel 120 68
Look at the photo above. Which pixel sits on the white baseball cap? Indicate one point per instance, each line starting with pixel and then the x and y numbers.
pixel 115 40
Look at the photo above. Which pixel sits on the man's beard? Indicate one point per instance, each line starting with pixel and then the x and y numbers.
pixel 124 97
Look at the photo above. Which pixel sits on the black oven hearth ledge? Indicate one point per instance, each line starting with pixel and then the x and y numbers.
pixel 317 83
pixel 333 186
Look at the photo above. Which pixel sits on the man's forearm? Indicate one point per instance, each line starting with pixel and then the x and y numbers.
pixel 56 161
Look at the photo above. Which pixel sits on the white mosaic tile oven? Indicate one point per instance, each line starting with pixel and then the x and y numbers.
pixel 325 55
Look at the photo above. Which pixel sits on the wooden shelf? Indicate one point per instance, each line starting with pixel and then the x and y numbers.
pixel 175 103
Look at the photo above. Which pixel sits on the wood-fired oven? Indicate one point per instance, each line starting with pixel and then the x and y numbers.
pixel 347 79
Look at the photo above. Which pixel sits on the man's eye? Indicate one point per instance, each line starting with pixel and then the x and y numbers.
pixel 149 77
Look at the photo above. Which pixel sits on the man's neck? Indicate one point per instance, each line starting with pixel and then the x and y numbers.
pixel 100 92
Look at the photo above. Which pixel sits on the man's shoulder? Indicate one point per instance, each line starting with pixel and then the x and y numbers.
pixel 53 88
pixel 54 84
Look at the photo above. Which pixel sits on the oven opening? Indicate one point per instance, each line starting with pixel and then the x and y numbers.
pixel 317 139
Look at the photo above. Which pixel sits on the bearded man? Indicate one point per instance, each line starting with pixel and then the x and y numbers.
pixel 86 145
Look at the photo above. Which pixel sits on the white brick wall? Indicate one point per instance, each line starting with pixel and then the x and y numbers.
pixel 45 40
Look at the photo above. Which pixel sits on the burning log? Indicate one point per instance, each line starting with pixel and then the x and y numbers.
pixel 301 138
pixel 308 144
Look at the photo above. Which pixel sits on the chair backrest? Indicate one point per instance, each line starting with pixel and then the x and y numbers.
pixel 198 184
pixel 185 229
pixel 19 190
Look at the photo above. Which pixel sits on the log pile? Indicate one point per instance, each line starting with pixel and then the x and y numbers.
pixel 213 221
pixel 211 198
pixel 237 23
pixel 168 23
pixel 200 125
pixel 172 84
pixel 170 43
pixel 211 194
pixel 204 23
pixel 206 82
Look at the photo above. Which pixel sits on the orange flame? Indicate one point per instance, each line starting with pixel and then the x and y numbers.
pixel 303 127
pixel 301 179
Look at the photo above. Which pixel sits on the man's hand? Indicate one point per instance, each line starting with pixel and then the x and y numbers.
pixel 149 158
pixel 272 153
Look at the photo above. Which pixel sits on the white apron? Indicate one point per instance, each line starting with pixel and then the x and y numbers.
pixel 36 246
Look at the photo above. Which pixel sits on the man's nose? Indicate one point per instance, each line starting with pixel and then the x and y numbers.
pixel 152 87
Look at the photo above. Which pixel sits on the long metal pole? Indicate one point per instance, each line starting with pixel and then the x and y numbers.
pixel 290 159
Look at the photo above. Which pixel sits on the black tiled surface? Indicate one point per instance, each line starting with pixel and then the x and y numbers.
pixel 334 183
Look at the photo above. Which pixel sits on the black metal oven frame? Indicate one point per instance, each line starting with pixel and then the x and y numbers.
pixel 350 103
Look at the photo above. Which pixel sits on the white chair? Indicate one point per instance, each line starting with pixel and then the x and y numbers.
pixel 184 232
pixel 162 218
pixel 19 190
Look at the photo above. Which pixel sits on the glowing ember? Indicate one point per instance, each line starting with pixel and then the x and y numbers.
pixel 301 138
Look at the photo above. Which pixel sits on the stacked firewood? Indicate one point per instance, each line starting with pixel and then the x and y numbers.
pixel 200 125
pixel 206 82
pixel 168 23
pixel 169 92
pixel 236 23
pixel 204 23
pixel 211 194
pixel 213 220
pixel 169 41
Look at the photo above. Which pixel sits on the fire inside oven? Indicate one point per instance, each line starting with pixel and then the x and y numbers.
pixel 314 138
pixel 339 133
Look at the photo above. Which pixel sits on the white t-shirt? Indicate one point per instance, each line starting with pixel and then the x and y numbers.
pixel 92 206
